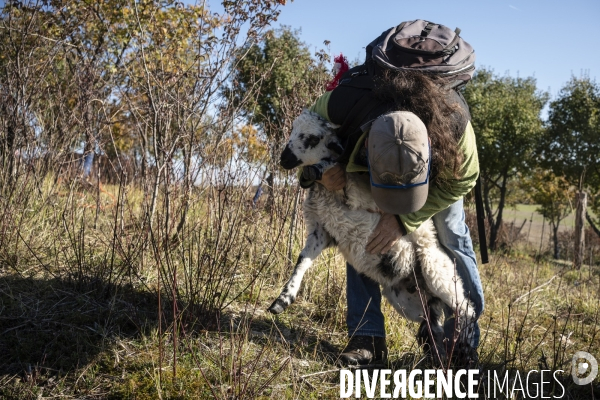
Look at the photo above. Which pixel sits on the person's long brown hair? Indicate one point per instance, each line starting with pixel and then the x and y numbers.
pixel 425 96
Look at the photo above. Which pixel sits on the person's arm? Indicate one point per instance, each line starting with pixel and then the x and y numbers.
pixel 442 197
pixel 320 106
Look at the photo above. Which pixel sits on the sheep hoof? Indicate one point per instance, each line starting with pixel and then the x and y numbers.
pixel 277 307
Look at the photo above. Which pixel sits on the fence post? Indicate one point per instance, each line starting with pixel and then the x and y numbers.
pixel 579 231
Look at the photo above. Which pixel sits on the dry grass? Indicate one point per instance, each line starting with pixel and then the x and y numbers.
pixel 87 313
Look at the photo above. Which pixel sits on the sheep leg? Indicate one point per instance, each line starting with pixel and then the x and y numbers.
pixel 440 274
pixel 406 298
pixel 431 332
pixel 316 242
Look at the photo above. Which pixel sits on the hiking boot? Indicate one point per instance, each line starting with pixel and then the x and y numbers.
pixel 363 350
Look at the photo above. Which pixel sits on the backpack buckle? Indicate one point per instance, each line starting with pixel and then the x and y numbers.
pixel 359 73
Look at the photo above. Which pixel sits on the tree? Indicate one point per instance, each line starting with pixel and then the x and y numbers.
pixel 571 147
pixel 286 79
pixel 505 115
pixel 115 77
pixel 595 207
pixel 27 66
pixel 554 195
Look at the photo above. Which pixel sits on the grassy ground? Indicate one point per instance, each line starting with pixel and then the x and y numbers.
pixel 96 313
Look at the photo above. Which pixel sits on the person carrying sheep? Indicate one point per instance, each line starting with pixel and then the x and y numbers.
pixel 389 81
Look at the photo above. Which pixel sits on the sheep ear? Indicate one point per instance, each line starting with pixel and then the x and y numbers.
pixel 335 146
pixel 332 125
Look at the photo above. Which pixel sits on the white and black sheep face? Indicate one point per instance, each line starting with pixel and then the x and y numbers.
pixel 312 141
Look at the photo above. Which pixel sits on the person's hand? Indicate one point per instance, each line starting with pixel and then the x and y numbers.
pixel 334 178
pixel 386 233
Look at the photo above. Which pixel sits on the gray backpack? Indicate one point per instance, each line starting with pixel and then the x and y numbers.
pixel 417 45
pixel 423 46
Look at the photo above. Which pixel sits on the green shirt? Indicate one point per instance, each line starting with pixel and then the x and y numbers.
pixel 440 197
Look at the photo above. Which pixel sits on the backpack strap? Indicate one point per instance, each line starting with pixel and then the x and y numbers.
pixel 427 30
pixel 451 48
pixel 350 130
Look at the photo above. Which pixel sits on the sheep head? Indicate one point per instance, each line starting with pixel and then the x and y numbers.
pixel 311 142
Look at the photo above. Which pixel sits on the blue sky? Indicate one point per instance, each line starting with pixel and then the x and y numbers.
pixel 550 40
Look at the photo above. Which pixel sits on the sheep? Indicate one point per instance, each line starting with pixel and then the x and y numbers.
pixel 417 276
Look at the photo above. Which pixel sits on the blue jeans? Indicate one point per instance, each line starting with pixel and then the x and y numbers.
pixel 364 295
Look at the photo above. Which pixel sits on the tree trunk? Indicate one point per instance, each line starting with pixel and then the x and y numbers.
pixel 555 239
pixel 592 224
pixel 495 228
pixel 579 232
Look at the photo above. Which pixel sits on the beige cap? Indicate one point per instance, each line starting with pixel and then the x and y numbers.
pixel 399 162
